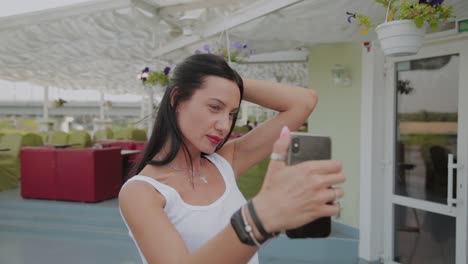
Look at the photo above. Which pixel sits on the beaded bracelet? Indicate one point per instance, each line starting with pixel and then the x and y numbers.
pixel 249 229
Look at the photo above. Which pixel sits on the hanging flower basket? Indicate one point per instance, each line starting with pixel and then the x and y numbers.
pixel 400 37
pixel 403 31
pixel 58 103
pixel 154 77
pixel 229 49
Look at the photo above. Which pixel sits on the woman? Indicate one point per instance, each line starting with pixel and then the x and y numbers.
pixel 179 205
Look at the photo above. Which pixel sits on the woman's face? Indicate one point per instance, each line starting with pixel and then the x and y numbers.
pixel 206 118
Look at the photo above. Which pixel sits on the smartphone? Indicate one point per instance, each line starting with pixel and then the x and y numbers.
pixel 303 147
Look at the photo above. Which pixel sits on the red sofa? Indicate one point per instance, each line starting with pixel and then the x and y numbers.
pixel 85 175
pixel 123 144
pixel 38 172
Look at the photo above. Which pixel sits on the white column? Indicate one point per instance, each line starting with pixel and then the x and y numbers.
pixel 45 105
pixel 150 116
pixel 101 122
pixel 141 124
pixel 142 107
pixel 371 217
pixel 45 124
pixel 101 107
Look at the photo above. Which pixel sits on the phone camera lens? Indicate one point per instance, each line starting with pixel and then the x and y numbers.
pixel 295 145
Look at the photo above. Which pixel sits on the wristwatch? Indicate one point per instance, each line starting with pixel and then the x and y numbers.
pixel 239 227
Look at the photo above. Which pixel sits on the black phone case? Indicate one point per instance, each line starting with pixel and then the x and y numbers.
pixel 309 147
pixel 318 228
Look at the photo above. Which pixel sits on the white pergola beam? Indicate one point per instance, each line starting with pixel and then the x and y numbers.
pixel 177 2
pixel 62 12
pixel 279 56
pixel 174 9
pixel 219 25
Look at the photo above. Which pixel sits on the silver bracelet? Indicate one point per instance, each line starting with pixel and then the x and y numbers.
pixel 248 228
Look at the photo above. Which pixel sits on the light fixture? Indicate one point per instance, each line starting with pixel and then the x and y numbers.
pixel 188 20
pixel 341 75
pixel 187 25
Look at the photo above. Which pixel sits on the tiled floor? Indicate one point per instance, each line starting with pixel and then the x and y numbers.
pixel 53 232
pixel 26 249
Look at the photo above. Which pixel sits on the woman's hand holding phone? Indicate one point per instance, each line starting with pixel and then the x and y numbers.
pixel 292 196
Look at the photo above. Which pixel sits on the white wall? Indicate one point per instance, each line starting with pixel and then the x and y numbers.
pixel 338 115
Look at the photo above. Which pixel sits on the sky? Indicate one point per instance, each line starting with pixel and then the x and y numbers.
pixel 15 91
pixel 434 90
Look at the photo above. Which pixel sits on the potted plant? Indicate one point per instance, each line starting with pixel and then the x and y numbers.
pixel 154 78
pixel 234 53
pixel 58 103
pixel 403 30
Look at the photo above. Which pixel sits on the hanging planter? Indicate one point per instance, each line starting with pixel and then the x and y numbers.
pixel 58 103
pixel 400 37
pixel 231 50
pixel 405 24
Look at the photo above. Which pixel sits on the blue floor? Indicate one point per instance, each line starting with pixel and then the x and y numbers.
pixel 50 232
pixel 41 231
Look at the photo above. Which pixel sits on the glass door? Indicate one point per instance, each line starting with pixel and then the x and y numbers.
pixel 423 148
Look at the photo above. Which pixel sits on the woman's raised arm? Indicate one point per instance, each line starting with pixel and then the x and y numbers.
pixel 294 105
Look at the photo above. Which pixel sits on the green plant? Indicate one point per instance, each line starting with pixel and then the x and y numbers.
pixel 422 12
pixel 154 77
pixel 58 103
pixel 235 53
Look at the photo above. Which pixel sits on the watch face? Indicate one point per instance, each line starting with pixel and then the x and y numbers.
pixel 238 226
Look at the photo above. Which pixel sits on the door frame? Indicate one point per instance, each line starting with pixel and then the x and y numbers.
pixel 450 45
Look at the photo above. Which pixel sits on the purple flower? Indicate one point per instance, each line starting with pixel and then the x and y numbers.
pixel 244 46
pixel 431 2
pixel 350 16
pixel 146 69
pixel 206 47
pixel 197 51
pixel 236 45
pixel 167 70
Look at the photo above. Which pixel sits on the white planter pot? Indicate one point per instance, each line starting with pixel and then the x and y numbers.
pixel 400 37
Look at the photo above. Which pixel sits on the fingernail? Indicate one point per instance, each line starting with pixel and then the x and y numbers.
pixel 284 132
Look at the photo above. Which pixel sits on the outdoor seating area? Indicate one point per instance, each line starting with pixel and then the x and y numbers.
pixel 55 174
pixel 84 84
pixel 23 158
pixel 10 164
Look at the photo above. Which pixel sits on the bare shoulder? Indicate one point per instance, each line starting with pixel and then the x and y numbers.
pixel 142 193
pixel 142 207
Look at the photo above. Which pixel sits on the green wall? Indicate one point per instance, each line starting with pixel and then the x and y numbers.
pixel 338 115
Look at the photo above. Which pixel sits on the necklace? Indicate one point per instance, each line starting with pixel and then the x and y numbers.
pixel 201 176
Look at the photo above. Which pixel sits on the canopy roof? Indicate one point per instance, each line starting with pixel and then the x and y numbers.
pixel 104 44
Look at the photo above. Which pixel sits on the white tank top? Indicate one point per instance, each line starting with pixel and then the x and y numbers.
pixel 197 224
